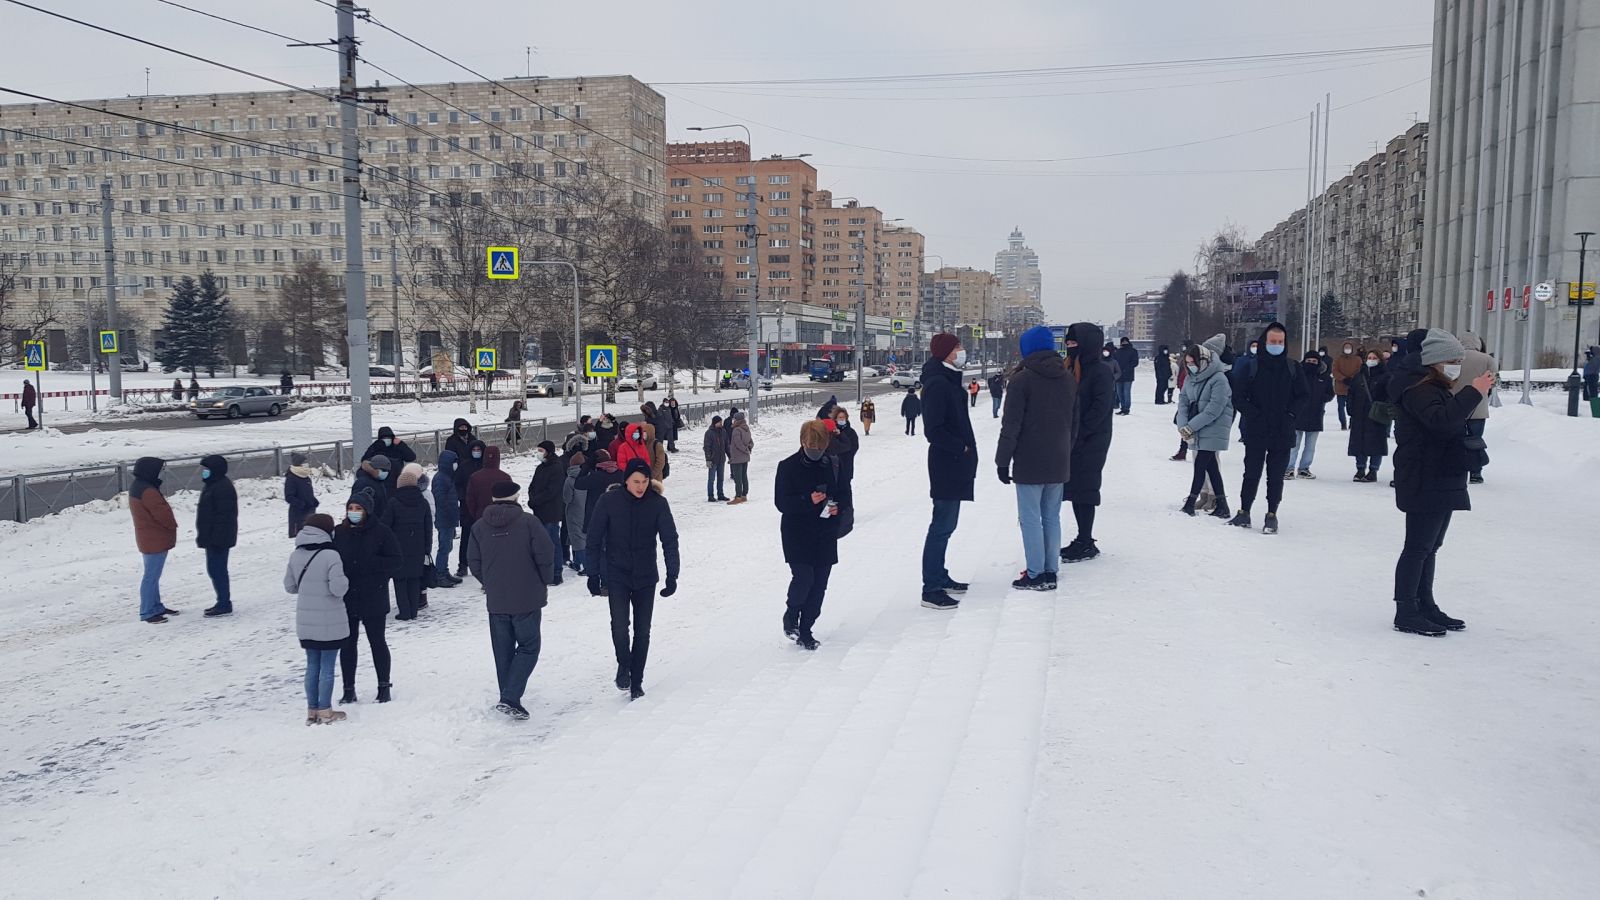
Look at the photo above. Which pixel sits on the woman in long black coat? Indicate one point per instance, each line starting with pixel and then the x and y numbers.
pixel 1097 402
pixel 1369 440
pixel 408 516
pixel 371 555
pixel 807 484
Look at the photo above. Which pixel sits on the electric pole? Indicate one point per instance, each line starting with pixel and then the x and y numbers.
pixel 355 275
pixel 111 290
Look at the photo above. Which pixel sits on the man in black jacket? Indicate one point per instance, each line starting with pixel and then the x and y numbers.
pixel 512 557
pixel 1127 361
pixel 374 476
pixel 952 464
pixel 1035 452
pixel 388 445
pixel 216 528
pixel 461 437
pixel 622 538
pixel 1163 364
pixel 1266 399
pixel 1097 402
pixel 997 390
pixel 544 496
pixel 806 492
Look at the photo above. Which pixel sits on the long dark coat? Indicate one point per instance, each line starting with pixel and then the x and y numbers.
pixel 952 450
pixel 808 539
pixel 1368 438
pixel 1097 403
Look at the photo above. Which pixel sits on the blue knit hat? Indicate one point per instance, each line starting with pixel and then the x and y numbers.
pixel 1037 338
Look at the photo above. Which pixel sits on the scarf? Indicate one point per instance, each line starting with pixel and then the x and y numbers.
pixel 302 471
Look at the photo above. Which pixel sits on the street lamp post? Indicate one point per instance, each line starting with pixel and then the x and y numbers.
pixel 1574 380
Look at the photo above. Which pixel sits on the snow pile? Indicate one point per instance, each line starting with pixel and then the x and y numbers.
pixel 1202 712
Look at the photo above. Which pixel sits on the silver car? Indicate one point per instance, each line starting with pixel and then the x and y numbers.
pixel 906 378
pixel 238 402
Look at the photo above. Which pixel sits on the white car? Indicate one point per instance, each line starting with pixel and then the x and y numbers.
pixel 742 382
pixel 631 383
pixel 548 384
pixel 905 379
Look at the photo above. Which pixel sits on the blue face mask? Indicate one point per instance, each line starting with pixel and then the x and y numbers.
pixel 388 442
pixel 356 516
pixel 204 474
pixel 1275 349
pixel 382 474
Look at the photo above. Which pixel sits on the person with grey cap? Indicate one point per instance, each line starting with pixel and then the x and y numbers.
pixel 1205 419
pixel 1433 455
pixel 374 476
pixel 1475 363
pixel 298 492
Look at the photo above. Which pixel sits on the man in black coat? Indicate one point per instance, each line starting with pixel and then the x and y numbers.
pixel 216 528
pixel 371 555
pixel 408 516
pixel 1127 360
pixel 622 537
pixel 1097 403
pixel 806 492
pixel 997 389
pixel 512 558
pixel 1035 452
pixel 286 384
pixel 1267 399
pixel 1163 364
pixel 911 407
pixel 952 464
pixel 374 476
pixel 461 437
pixel 544 496
pixel 388 445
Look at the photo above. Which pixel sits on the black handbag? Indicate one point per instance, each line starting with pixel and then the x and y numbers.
pixel 430 575
pixel 1477 452
pixel 1383 412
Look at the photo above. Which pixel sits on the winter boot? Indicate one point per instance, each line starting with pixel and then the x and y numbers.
pixel 330 716
pixel 311 717
pixel 383 693
pixel 1180 456
pixel 635 692
pixel 1188 506
pixel 1081 550
pixel 349 694
pixel 624 678
pixel 791 623
pixel 1430 610
pixel 1409 619
pixel 1271 525
pixel 1361 475
pixel 461 572
pixel 1241 519
pixel 807 642
pixel 1372 478
pixel 1221 511
pixel 422 600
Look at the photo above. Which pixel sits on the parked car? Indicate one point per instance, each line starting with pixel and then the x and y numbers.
pixel 379 372
pixel 548 384
pixel 905 379
pixel 742 382
pixel 238 402
pixel 631 383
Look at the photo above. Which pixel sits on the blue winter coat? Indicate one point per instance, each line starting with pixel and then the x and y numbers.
pixel 446 499
pixel 1212 396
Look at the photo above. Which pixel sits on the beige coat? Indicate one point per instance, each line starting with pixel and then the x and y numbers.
pixel 1475 363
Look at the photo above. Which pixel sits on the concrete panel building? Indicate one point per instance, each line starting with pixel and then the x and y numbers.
pixel 1017 268
pixel 1513 165
pixel 1140 313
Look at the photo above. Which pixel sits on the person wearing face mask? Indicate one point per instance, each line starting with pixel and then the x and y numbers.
pixel 315 575
pixel 544 498
pixel 741 446
pixel 1163 367
pixel 298 492
pixel 1034 452
pixel 1369 437
pixel 155 533
pixel 1267 400
pixel 630 445
pixel 1473 364
pixel 1433 454
pixel 459 442
pixel 446 516
pixel 1205 419
pixel 470 464
pixel 1109 354
pixel 805 492
pixel 371 555
pixel 1308 416
pixel 1346 366
pixel 512 559
pixel 715 445
pixel 843 445
pixel 398 452
pixel 1127 363
pixel 408 516
pixel 605 431
pixel 952 464
pixel 1091 442
pixel 216 528
pixel 627 523
pixel 374 476
pixel 579 440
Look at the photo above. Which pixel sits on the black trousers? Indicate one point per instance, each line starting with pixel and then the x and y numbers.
pixel 807 585
pixel 1276 459
pixel 380 648
pixel 1205 465
pixel 407 597
pixel 911 424
pixel 1413 574
pixel 32 423
pixel 643 602
pixel 466 537
pixel 1084 514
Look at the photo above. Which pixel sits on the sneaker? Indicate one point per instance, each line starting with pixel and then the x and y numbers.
pixel 514 710
pixel 1050 578
pixel 1033 583
pixel 1474 479
pixel 722 499
pixel 157 619
pixel 1289 475
pixel 1271 525
pixel 955 587
pixel 503 707
pixel 713 500
pixel 791 624
pixel 1080 551
pixel 1241 519
pixel 218 610
pixel 1306 474
pixel 940 600
pixel 1360 476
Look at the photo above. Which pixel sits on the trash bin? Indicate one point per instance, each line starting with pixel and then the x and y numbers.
pixel 1594 407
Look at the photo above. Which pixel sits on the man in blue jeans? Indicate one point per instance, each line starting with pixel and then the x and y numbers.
pixel 952 464
pixel 216 528
pixel 512 556
pixel 1035 452
pixel 1127 356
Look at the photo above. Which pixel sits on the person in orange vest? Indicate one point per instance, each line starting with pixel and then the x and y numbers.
pixel 972 392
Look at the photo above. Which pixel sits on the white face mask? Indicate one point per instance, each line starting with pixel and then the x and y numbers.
pixel 1452 371
pixel 961 357
pixel 1372 364
pixel 538 456
pixel 1348 351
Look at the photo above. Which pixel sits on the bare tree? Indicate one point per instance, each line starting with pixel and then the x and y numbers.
pixel 19 322
pixel 311 307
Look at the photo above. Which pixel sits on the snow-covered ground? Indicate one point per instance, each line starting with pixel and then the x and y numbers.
pixel 1200 713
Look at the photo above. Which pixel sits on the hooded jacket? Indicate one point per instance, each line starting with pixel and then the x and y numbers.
pixel 1097 403
pixel 480 488
pixel 716 446
pixel 947 425
pixel 446 498
pixel 399 453
pixel 216 519
pixel 1475 363
pixel 740 443
pixel 512 557
pixel 315 575
pixel 1430 462
pixel 911 406
pixel 1368 438
pixel 593 483
pixel 843 445
pixel 1267 397
pixel 1211 396
pixel 629 448
pixel 622 536
pixel 299 494
pixel 466 467
pixel 408 516
pixel 371 555
pixel 30 396
pixel 1345 369
pixel 1591 366
pixel 808 538
pixel 1313 407
pixel 657 448
pixel 1039 421
pixel 1127 357
pixel 367 480
pixel 1163 364
pixel 155 528
pixel 459 444
pixel 544 491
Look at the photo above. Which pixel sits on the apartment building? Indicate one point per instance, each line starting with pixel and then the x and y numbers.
pixel 1368 246
pixel 901 248
pixel 1017 268
pixel 248 184
pixel 851 266
pixel 709 203
pixel 958 298
pixel 1140 314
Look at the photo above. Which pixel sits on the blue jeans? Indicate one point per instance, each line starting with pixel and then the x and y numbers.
pixel 1305 450
pixel 714 480
pixel 447 543
pixel 946 513
pixel 516 641
pixel 1125 395
pixel 554 530
pixel 578 559
pixel 150 586
pixel 1039 514
pixel 1475 429
pixel 1369 464
pixel 217 569
pixel 319 677
pixel 997 398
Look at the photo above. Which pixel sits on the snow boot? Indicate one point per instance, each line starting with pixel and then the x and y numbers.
pixel 383 693
pixel 422 600
pixel 1221 511
pixel 806 641
pixel 1360 476
pixel 1240 519
pixel 1372 478
pixel 1409 619
pixel 635 692
pixel 1430 610
pixel 311 717
pixel 940 600
pixel 791 623
pixel 1271 525
pixel 349 694
pixel 461 572
pixel 1188 506
pixel 1180 456
pixel 624 677
pixel 1080 550
pixel 330 716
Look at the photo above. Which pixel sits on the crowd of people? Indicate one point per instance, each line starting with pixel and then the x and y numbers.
pixel 596 505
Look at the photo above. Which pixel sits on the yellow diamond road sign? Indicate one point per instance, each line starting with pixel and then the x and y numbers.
pixel 504 263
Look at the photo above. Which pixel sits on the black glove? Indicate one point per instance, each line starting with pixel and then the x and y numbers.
pixel 594 585
pixel 671 588
pixel 1005 474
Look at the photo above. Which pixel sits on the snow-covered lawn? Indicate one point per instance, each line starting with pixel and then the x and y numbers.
pixel 1200 713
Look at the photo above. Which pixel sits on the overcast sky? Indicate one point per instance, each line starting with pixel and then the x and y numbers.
pixel 948 155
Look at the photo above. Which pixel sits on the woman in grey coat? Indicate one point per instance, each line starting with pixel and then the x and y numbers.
pixel 1205 417
pixel 574 506
pixel 315 574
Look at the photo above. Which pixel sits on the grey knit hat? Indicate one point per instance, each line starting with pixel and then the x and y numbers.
pixel 297 458
pixel 1214 346
pixel 1441 346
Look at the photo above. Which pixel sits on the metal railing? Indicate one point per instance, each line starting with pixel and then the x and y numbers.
pixel 30 496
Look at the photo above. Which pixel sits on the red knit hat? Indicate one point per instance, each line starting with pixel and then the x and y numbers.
pixel 943 345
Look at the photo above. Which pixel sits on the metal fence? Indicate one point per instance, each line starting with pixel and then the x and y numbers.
pixel 27 497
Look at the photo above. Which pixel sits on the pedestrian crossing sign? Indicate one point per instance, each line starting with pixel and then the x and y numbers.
pixel 34 357
pixel 108 342
pixel 899 326
pixel 600 360
pixel 485 358
pixel 504 264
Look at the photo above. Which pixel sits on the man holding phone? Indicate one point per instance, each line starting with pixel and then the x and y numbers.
pixel 806 492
